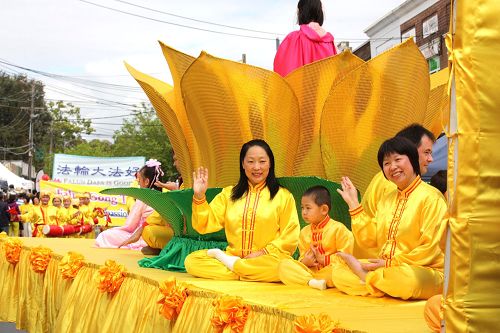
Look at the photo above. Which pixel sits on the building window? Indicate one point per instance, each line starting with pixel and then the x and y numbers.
pixel 430 25
pixel 409 33
pixel 434 64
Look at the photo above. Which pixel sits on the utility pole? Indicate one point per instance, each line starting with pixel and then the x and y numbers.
pixel 244 58
pixel 31 111
pixel 277 43
pixel 30 153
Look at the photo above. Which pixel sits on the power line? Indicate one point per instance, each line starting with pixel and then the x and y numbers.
pixel 200 21
pixel 176 24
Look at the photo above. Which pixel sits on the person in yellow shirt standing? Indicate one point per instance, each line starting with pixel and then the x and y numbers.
pixel 318 242
pixel 87 213
pixel 54 210
pixel 68 215
pixel 259 218
pixel 407 227
pixel 39 215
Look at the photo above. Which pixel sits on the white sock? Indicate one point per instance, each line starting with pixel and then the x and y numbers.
pixel 317 284
pixel 213 252
pixel 220 255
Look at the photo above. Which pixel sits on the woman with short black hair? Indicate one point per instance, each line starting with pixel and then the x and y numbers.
pixel 407 228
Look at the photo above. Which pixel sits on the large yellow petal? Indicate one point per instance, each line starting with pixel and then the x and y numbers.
pixel 438 102
pixel 161 96
pixel 372 103
pixel 178 63
pixel 312 84
pixel 230 103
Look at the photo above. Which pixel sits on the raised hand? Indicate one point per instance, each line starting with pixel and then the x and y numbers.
pixel 349 193
pixel 200 182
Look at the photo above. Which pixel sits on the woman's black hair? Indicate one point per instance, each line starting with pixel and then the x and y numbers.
pixel 153 174
pixel 402 146
pixel 439 181
pixel 309 11
pixel 242 185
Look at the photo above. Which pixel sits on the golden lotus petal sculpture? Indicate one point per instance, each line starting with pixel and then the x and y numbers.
pixel 325 119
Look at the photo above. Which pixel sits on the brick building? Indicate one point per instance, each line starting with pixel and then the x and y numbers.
pixel 426 20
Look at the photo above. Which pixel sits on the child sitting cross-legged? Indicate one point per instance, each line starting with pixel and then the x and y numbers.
pixel 318 242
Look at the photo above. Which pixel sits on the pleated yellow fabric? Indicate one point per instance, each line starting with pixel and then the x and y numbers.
pixel 324 119
pixel 438 102
pixel 163 100
pixel 231 103
pixel 312 85
pixel 8 288
pixel 471 302
pixel 83 308
pixel 372 103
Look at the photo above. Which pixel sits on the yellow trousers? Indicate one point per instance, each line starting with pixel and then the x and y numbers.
pixel 405 281
pixel 263 268
pixel 14 229
pixel 157 236
pixel 293 272
pixel 433 313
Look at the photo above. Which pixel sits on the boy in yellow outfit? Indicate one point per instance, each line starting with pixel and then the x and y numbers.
pixel 318 242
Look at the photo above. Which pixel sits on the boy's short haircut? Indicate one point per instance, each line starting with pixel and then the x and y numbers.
pixel 439 180
pixel 320 195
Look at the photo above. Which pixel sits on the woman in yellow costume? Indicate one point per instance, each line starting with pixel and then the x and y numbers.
pixel 40 214
pixel 259 218
pixel 68 215
pixel 407 226
pixel 54 211
pixel 87 213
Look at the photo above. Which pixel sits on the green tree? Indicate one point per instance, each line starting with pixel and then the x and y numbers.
pixel 98 148
pixel 16 95
pixel 143 135
pixel 65 130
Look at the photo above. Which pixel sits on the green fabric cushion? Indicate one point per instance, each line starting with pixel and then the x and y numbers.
pixel 172 256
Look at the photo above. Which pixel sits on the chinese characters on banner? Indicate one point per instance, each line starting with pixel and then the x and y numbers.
pixel 96 171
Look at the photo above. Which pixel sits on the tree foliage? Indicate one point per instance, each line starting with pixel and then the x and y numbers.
pixel 143 135
pixel 58 127
pixel 16 94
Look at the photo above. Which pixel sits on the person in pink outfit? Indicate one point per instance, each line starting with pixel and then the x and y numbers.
pixel 118 237
pixel 309 44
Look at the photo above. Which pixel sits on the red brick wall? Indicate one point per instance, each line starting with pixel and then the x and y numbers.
pixel 442 8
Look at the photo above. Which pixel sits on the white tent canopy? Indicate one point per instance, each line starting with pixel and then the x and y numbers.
pixel 11 178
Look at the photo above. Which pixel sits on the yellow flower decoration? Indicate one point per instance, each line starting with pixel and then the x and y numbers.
pixel 173 298
pixel 12 248
pixel 321 323
pixel 70 265
pixel 3 234
pixel 230 312
pixel 39 258
pixel 110 276
pixel 326 119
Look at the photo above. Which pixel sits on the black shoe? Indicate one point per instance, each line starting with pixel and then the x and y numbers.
pixel 150 251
